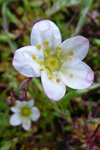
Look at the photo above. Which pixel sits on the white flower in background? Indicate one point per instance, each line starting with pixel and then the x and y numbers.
pixel 24 112
pixel 58 64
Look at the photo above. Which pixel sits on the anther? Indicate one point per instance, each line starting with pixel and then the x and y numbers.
pixel 39 46
pixel 71 74
pixel 50 78
pixel 58 48
pixel 41 69
pixel 34 57
pixel 58 80
pixel 69 59
pixel 71 53
pixel 46 42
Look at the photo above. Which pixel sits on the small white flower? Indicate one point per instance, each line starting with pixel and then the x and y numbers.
pixel 24 112
pixel 58 64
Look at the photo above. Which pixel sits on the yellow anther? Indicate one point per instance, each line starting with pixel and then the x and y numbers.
pixel 71 74
pixel 69 59
pixel 71 53
pixel 58 80
pixel 34 57
pixel 46 42
pixel 41 69
pixel 58 48
pixel 50 78
pixel 39 46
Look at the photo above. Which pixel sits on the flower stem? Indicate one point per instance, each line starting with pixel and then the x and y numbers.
pixel 26 86
pixel 11 94
pixel 86 104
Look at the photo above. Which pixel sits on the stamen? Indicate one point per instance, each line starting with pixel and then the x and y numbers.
pixel 44 53
pixel 41 69
pixel 47 47
pixel 58 80
pixel 71 53
pixel 34 57
pixel 50 77
pixel 58 48
pixel 39 46
pixel 41 63
pixel 64 71
pixel 46 42
pixel 57 74
pixel 63 62
pixel 66 60
pixel 71 74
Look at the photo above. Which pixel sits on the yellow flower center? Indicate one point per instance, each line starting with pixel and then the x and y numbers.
pixel 26 111
pixel 52 63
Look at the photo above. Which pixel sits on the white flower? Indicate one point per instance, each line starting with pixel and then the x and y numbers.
pixel 24 112
pixel 58 64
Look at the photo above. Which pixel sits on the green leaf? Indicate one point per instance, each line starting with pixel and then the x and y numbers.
pixel 61 4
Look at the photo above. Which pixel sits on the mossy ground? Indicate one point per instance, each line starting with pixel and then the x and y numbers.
pixel 71 123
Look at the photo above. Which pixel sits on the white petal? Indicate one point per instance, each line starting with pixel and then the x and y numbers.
pixel 15 119
pixel 15 109
pixel 79 45
pixel 18 103
pixel 53 89
pixel 24 62
pixel 45 30
pixel 26 123
pixel 31 103
pixel 24 103
pixel 35 114
pixel 82 76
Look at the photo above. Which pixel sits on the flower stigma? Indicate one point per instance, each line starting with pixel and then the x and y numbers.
pixel 52 63
pixel 25 111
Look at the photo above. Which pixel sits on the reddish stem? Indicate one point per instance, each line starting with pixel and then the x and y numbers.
pixel 26 86
pixel 91 17
pixel 11 94
pixel 95 131
pixel 86 104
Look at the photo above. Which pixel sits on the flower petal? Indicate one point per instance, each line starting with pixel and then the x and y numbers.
pixel 17 106
pixel 18 103
pixel 31 103
pixel 15 109
pixel 35 114
pixel 24 62
pixel 45 30
pixel 26 123
pixel 53 89
pixel 24 103
pixel 79 45
pixel 15 119
pixel 82 76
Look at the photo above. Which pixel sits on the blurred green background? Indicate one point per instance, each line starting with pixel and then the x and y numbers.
pixel 73 122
